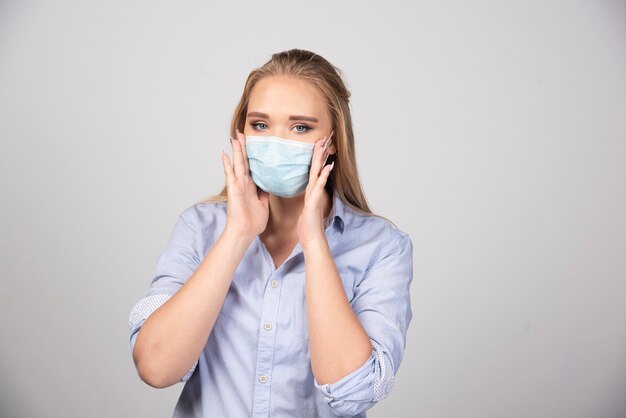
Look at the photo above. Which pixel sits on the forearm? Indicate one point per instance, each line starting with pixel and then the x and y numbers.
pixel 172 338
pixel 338 342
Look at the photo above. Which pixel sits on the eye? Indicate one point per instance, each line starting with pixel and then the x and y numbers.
pixel 302 128
pixel 259 126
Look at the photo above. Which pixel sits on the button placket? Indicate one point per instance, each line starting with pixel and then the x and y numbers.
pixel 266 345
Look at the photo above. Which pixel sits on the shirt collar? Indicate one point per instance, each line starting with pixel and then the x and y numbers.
pixel 337 213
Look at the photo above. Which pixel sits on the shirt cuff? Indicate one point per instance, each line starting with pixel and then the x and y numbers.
pixel 189 373
pixel 363 387
pixel 143 309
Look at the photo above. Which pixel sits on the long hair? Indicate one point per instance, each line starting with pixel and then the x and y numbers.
pixel 327 78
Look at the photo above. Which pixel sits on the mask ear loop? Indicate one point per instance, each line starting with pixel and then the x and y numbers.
pixel 326 145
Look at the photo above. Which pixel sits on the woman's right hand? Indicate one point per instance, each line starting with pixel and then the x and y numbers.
pixel 248 210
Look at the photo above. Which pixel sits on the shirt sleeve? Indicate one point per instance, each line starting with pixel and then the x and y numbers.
pixel 173 268
pixel 382 302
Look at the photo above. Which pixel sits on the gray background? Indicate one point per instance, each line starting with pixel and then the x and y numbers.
pixel 492 132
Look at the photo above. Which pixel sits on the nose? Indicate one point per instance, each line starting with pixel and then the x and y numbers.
pixel 280 131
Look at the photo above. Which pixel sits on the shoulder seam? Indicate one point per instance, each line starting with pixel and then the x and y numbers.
pixel 185 221
pixel 391 241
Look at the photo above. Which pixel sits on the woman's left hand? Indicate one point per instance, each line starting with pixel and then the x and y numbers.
pixel 311 222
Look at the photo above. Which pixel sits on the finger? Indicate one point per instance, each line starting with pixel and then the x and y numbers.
pixel 228 168
pixel 316 162
pixel 327 143
pixel 244 152
pixel 323 178
pixel 237 159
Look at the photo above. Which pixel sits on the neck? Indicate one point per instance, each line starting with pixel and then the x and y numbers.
pixel 285 211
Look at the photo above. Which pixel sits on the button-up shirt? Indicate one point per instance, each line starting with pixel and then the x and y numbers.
pixel 256 362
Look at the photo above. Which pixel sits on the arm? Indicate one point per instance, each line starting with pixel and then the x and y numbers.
pixel 173 336
pixel 339 343
pixel 357 345
pixel 353 372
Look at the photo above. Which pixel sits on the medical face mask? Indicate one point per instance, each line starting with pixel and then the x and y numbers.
pixel 279 166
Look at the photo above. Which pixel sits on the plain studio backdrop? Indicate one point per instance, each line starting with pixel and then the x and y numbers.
pixel 493 132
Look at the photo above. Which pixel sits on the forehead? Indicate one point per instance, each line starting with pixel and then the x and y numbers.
pixel 286 95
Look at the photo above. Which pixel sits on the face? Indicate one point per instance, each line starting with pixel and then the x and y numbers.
pixel 289 108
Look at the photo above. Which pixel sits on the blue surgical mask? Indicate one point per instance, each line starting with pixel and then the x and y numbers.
pixel 279 166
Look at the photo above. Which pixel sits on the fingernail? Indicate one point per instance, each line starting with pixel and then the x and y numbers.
pixel 237 132
pixel 331 166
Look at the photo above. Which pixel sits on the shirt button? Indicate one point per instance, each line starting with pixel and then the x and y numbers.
pixel 263 379
pixel 274 283
pixel 268 326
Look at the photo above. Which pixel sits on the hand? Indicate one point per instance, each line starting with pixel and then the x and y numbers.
pixel 248 210
pixel 311 220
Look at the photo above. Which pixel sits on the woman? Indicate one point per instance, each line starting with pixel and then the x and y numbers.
pixel 283 296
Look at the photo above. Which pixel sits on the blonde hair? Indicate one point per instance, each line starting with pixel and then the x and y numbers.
pixel 311 67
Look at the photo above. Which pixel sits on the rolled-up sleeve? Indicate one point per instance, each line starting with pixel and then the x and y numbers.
pixel 174 267
pixel 382 302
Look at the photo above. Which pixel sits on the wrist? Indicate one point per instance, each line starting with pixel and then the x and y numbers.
pixel 237 238
pixel 314 241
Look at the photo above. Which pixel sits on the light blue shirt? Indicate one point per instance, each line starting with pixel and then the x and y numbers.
pixel 256 362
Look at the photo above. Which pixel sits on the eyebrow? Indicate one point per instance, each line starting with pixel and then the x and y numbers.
pixel 292 117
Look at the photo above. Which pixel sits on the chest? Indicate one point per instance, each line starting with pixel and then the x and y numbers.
pixel 262 300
